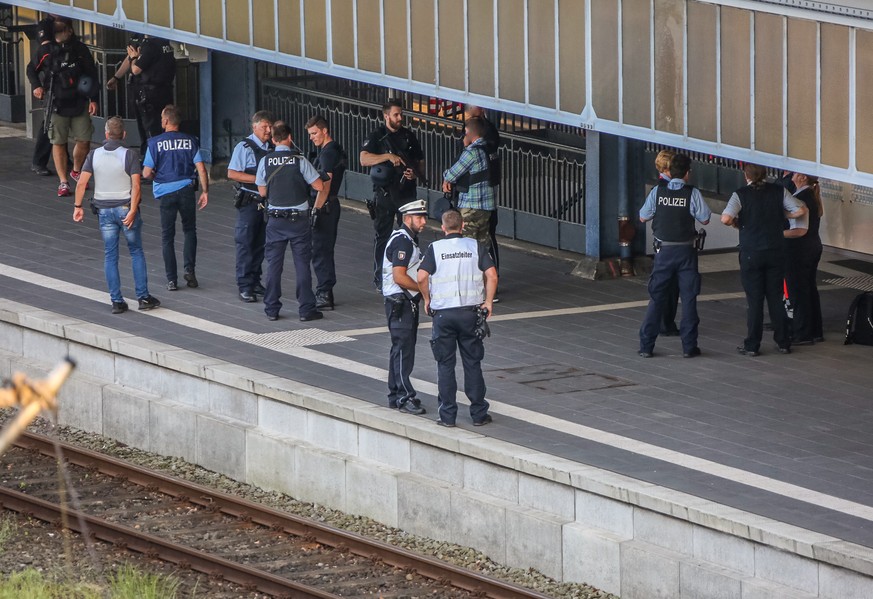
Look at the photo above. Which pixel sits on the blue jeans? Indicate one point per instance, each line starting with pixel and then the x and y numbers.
pixel 183 202
pixel 111 228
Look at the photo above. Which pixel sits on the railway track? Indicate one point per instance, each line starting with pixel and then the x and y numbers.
pixel 196 527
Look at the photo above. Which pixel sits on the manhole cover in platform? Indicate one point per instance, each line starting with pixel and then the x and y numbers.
pixel 861 282
pixel 559 378
pixel 290 339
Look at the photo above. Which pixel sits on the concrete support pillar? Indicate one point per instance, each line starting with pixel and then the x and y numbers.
pixel 234 81
pixel 206 122
pixel 614 186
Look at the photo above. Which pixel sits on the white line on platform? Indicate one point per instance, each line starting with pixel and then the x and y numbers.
pixel 556 424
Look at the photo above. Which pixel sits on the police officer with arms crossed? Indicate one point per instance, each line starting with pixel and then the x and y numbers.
pixel 759 210
pixel 673 207
pixel 330 159
pixel 284 178
pixel 174 159
pixel 457 279
pixel 116 200
pixel 250 231
pixel 395 159
pixel 151 63
pixel 400 288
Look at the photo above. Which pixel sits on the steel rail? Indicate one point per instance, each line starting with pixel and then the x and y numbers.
pixel 265 516
pixel 135 540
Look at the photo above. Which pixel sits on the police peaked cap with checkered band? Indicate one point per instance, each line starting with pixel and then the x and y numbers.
pixel 414 207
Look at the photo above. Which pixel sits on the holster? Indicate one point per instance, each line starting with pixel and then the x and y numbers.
pixel 397 300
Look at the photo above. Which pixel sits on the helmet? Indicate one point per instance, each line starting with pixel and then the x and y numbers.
pixel 383 174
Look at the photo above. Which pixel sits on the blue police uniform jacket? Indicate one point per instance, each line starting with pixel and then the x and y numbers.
pixel 173 153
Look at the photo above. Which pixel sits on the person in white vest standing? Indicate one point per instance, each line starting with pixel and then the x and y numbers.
pixel 457 280
pixel 117 181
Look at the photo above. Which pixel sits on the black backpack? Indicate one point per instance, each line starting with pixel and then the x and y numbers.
pixel 859 323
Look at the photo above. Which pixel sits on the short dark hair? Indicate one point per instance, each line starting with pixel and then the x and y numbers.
pixel 391 103
pixel 680 164
pixel 172 114
pixel 475 126
pixel 317 121
pixel 281 131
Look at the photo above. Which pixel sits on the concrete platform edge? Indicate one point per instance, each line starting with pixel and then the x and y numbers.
pixel 592 525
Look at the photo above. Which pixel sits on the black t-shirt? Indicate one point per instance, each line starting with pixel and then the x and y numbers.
pixel 157 61
pixel 399 251
pixel 401 142
pixel 332 159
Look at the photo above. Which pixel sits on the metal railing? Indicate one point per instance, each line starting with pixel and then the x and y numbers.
pixel 541 178
pixel 10 77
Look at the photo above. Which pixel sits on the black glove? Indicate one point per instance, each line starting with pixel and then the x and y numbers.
pixel 314 217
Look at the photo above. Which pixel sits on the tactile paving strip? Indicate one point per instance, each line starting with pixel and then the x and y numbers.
pixel 290 339
pixel 861 282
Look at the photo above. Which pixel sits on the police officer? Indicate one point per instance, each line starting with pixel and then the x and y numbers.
pixel 457 279
pixel 174 159
pixel 330 159
pixel 37 74
pixel 151 63
pixel 74 90
pixel 671 294
pixel 395 159
pixel 758 210
pixel 673 207
pixel 400 288
pixel 284 178
pixel 250 230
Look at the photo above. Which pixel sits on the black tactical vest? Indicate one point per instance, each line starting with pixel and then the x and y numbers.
pixel 673 220
pixel 286 187
pixel 253 170
pixel 761 217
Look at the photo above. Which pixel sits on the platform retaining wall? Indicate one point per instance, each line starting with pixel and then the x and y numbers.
pixel 521 507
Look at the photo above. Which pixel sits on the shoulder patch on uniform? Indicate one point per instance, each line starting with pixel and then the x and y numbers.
pixel 401 255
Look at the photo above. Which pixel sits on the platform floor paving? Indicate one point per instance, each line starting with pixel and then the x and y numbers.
pixel 784 436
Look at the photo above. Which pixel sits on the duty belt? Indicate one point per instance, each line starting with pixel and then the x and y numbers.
pixel 665 243
pixel 290 213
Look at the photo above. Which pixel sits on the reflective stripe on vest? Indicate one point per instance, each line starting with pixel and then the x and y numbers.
pixel 389 287
pixel 457 280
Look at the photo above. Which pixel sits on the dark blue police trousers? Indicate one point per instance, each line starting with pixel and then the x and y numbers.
pixel 403 326
pixel 453 330
pixel 183 203
pixel 681 261
pixel 250 236
pixel 280 233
